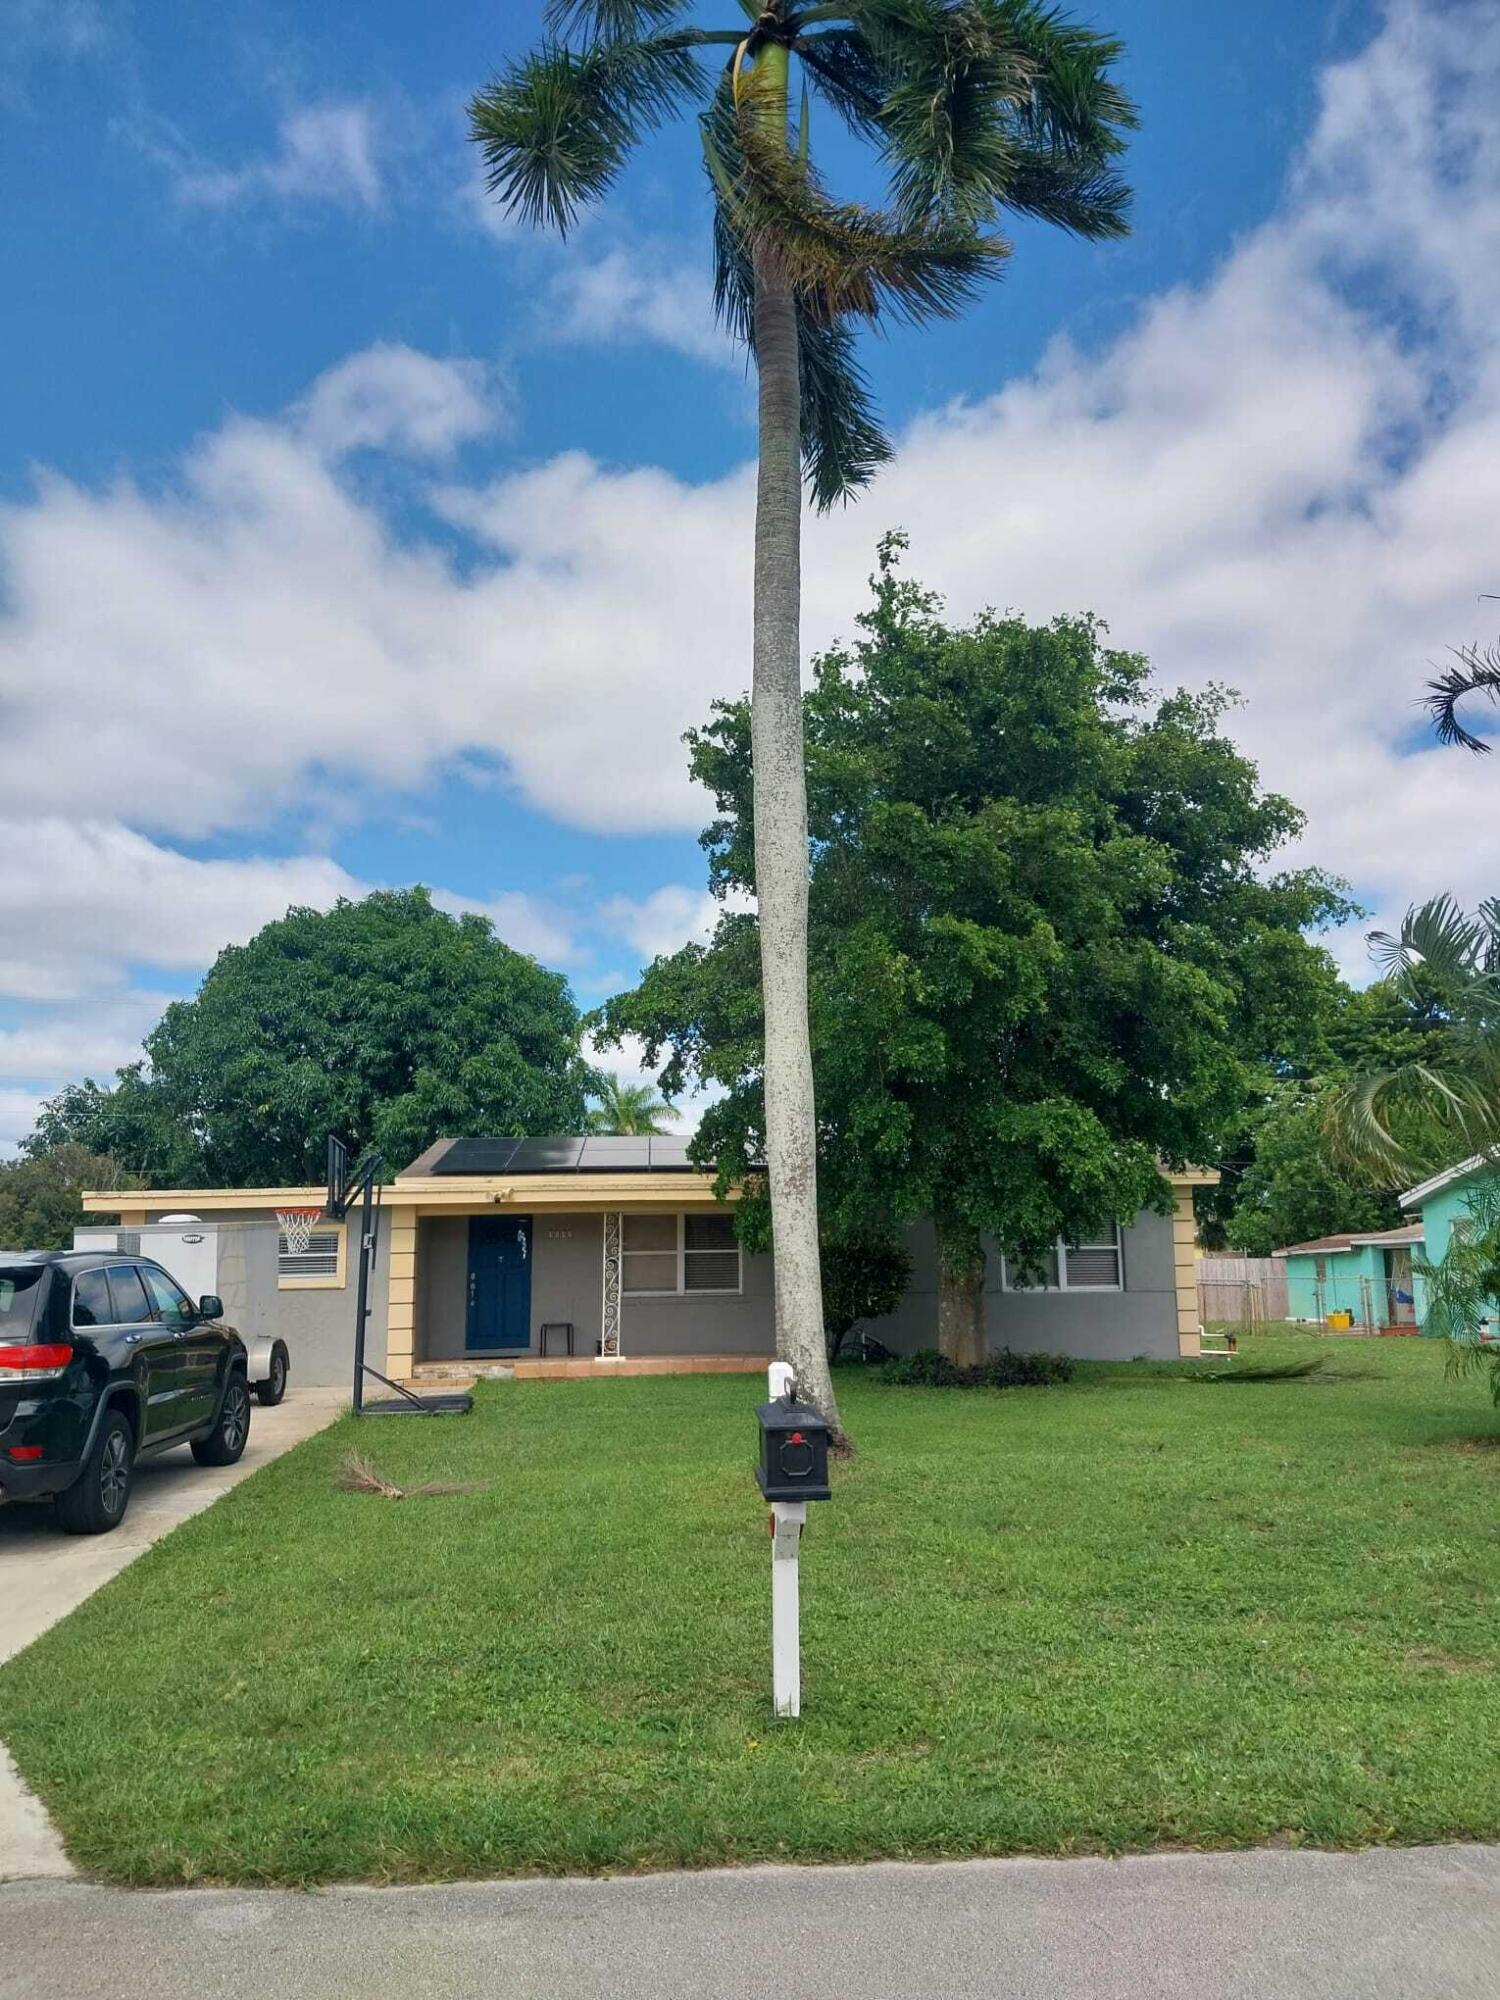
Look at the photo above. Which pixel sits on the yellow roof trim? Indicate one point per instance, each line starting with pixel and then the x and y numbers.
pixel 528 1191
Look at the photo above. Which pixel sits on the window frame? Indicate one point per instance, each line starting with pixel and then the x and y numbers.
pixel 1060 1251
pixel 319 1281
pixel 131 1265
pixel 680 1216
pixel 101 1272
pixel 149 1270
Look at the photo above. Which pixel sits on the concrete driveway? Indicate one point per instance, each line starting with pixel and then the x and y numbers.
pixel 45 1574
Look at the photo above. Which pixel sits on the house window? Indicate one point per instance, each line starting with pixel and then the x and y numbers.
pixel 1073 1267
pixel 670 1256
pixel 320 1264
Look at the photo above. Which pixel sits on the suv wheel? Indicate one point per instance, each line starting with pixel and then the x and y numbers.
pixel 231 1433
pixel 97 1499
pixel 270 1392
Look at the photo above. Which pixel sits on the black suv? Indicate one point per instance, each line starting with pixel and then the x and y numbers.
pixel 104 1359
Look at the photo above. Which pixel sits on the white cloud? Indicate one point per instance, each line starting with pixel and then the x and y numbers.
pixel 323 153
pixel 18 1112
pixel 1277 478
pixel 636 292
pixel 93 1041
pixel 521 921
pixel 667 919
pixel 392 397
pixel 81 900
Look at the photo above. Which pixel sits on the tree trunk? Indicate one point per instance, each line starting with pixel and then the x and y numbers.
pixel 781 857
pixel 961 1330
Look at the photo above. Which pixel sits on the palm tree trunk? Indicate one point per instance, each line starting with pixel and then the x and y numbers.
pixel 961 1328
pixel 781 859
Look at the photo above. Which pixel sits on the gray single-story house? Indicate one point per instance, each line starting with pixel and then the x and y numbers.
pixel 573 1255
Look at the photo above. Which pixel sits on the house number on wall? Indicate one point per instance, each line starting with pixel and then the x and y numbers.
pixel 559 1236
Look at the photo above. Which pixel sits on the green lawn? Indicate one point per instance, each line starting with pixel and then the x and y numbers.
pixel 1137 1609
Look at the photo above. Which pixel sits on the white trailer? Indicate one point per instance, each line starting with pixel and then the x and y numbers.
pixel 236 1261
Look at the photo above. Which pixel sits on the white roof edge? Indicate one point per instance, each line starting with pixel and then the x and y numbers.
pixel 1415 1196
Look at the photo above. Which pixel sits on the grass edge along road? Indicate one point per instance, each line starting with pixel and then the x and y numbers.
pixel 1134 1610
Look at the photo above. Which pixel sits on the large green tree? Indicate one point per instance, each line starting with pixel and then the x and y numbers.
pixel 973 108
pixel 1044 939
pixel 1292 1188
pixel 386 1021
pixel 40 1195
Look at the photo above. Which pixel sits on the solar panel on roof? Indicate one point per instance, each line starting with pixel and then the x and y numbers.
pixel 476 1156
pixel 614 1154
pixel 601 1153
pixel 546 1156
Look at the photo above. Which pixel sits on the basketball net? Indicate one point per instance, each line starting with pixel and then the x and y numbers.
pixel 296 1226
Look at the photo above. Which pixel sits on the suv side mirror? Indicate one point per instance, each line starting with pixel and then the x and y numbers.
pixel 211 1306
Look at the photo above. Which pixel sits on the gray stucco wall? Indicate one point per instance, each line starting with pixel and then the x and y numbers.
pixel 566 1282
pixel 318 1325
pixel 1141 1320
pixel 694 1324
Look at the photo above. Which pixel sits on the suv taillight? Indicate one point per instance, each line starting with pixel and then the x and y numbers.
pixel 33 1364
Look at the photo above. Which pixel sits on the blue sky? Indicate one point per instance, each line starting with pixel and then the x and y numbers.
pixel 348 536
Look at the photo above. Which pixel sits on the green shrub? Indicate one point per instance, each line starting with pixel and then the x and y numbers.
pixel 927 1369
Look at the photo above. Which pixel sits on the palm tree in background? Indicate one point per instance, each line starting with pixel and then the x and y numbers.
pixel 1477 672
pixel 973 108
pixel 1396 1123
pixel 632 1110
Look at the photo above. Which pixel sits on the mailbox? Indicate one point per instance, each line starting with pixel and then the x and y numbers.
pixel 793 1451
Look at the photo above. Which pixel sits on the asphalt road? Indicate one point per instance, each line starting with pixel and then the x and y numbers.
pixel 1413 1924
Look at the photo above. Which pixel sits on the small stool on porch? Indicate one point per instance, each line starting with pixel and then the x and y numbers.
pixel 562 1326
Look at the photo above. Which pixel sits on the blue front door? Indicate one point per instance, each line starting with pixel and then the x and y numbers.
pixel 499 1283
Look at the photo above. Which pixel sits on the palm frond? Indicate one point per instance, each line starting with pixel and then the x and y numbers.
pixel 1086 200
pixel 555 129
pixel 841 257
pixel 843 442
pixel 609 20
pixel 1476 673
pixel 1075 109
pixel 1436 938
pixel 842 71
pixel 1367 1120
pixel 979 105
pixel 953 94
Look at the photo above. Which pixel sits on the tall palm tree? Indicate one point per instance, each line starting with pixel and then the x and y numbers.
pixel 632 1110
pixel 973 107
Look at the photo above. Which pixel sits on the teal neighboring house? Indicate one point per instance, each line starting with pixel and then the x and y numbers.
pixel 1368 1276
pixel 1443 1204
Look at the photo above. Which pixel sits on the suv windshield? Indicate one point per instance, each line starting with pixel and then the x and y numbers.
pixel 20 1288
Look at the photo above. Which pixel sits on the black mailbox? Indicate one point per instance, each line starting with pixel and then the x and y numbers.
pixel 793 1452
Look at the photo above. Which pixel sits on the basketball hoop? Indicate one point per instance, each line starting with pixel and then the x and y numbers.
pixel 296 1225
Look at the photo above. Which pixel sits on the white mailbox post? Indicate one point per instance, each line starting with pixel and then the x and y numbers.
pixel 793 1470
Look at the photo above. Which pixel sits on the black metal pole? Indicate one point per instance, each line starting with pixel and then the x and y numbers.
pixel 362 1308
